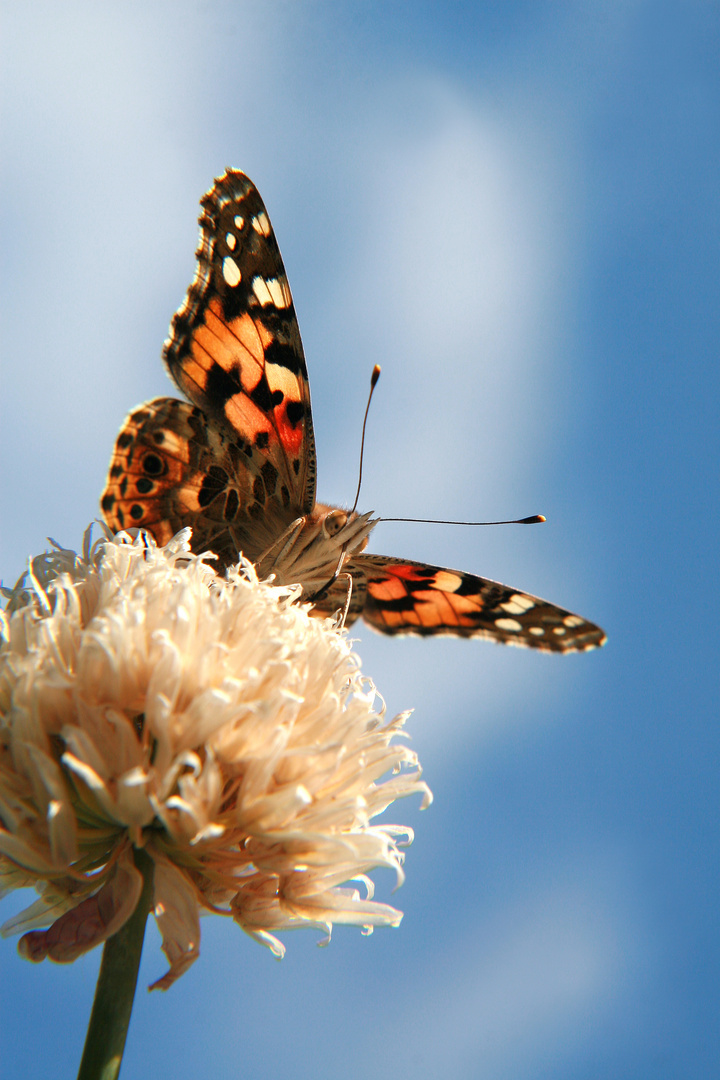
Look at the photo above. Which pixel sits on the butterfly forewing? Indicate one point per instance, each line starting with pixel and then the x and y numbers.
pixel 234 347
pixel 413 598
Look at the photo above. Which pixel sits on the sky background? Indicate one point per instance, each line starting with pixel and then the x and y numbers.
pixel 514 208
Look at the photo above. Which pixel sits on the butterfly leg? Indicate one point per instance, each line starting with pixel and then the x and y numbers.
pixel 278 551
pixel 346 606
pixel 322 592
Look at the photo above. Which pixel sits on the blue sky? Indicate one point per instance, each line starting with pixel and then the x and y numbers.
pixel 513 208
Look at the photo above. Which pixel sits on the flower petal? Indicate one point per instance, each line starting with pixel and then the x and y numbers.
pixel 177 916
pixel 92 921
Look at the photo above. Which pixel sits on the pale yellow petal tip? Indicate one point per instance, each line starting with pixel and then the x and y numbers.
pixel 144 700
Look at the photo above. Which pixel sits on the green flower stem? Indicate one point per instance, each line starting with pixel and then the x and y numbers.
pixel 115 990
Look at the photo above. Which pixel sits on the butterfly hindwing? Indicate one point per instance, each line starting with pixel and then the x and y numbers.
pixel 403 597
pixel 170 469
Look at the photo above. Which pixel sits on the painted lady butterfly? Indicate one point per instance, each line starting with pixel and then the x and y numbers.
pixel 237 462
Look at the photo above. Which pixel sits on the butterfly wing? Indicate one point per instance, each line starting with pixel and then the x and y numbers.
pixel 234 347
pixel 240 465
pixel 404 597
pixel 170 468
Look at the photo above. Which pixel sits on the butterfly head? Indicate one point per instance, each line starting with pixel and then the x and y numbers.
pixel 334 522
pixel 341 530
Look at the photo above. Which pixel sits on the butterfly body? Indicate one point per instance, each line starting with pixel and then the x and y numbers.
pixel 237 463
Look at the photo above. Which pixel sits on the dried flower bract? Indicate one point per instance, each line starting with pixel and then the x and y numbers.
pixel 146 702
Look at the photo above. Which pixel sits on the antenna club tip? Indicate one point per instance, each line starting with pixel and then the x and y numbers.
pixel 375 375
pixel 541 517
pixel 536 519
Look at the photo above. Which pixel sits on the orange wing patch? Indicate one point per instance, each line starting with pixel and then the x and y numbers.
pixel 410 597
pixel 235 348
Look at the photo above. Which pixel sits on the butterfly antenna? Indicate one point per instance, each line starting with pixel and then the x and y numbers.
pixel 536 519
pixel 373 383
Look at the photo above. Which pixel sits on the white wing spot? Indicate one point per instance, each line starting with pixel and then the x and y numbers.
pixel 446 581
pixel 231 272
pixel 518 604
pixel 279 292
pixel 230 240
pixel 261 224
pixel 511 625
pixel 572 621
pixel 536 631
pixel 239 221
pixel 261 290
pixel 559 630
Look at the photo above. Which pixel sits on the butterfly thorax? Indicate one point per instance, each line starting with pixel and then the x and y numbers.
pixel 314 548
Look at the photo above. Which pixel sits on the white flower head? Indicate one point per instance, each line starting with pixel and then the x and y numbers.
pixel 147 702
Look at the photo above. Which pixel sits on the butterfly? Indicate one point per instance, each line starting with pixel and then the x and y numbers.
pixel 236 461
